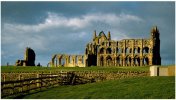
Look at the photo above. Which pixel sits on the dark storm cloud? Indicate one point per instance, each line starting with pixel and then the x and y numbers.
pixel 65 27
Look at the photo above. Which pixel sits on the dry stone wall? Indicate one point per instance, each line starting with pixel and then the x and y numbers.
pixel 101 76
pixel 95 75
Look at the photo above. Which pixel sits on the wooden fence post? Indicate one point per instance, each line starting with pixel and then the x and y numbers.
pixel 50 79
pixel 38 84
pixel 41 81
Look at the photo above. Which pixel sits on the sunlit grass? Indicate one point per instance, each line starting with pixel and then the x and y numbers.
pixel 141 87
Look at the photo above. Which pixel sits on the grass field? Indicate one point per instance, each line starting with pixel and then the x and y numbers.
pixel 48 69
pixel 143 87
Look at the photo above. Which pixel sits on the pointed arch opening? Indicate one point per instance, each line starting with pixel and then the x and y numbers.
pixel 118 61
pixel 138 50
pixel 119 50
pixel 137 61
pixel 109 61
pixel 127 50
pixel 108 51
pixel 76 60
pixel 146 50
pixel 126 61
pixel 69 59
pixel 145 61
pixel 62 61
pixel 129 61
pixel 102 51
pixel 101 61
pixel 135 51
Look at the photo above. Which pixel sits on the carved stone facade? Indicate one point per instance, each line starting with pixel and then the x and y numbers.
pixel 29 58
pixel 103 51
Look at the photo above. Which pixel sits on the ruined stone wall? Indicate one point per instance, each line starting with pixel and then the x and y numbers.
pixel 64 60
pixel 29 58
pixel 129 52
pixel 126 52
pixel 102 51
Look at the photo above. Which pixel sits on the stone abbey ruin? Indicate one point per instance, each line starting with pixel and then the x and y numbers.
pixel 103 51
pixel 29 58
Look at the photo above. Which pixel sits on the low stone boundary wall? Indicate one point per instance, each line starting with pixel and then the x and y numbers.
pixel 96 75
pixel 101 76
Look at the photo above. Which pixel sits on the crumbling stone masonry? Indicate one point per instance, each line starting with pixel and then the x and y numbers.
pixel 103 51
pixel 67 60
pixel 29 58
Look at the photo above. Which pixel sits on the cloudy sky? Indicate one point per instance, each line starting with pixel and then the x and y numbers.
pixel 66 27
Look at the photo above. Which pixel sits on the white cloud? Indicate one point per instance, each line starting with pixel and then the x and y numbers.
pixel 32 34
pixel 56 20
pixel 58 33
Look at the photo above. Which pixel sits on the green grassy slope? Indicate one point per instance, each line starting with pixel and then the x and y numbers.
pixel 143 87
pixel 92 68
pixel 48 69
